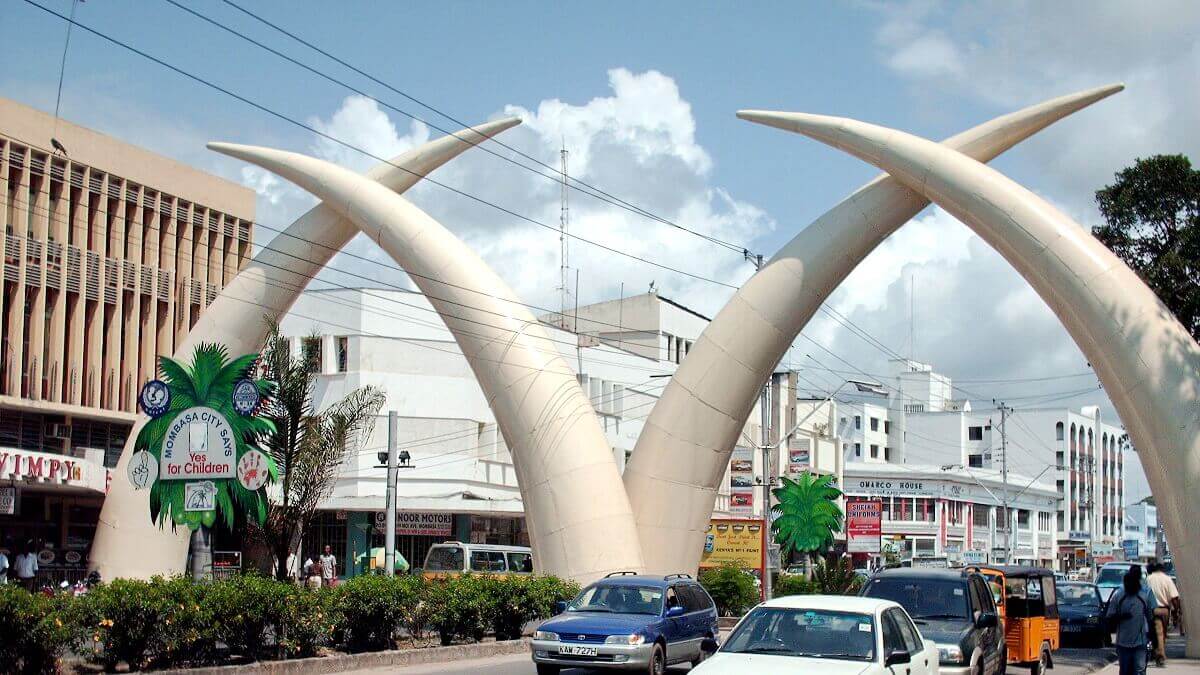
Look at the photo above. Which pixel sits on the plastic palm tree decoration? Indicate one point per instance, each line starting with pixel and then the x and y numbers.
pixel 807 515
pixel 209 382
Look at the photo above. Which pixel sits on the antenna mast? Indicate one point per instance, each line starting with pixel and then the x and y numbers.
pixel 564 217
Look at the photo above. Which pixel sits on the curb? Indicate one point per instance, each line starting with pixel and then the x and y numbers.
pixel 343 663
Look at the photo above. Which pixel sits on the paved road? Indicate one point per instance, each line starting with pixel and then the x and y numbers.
pixel 1066 662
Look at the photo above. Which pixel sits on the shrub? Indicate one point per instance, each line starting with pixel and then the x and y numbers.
pixel 34 631
pixel 460 607
pixel 123 617
pixel 246 610
pixel 188 631
pixel 731 588
pixel 371 607
pixel 516 600
pixel 793 584
pixel 307 621
pixel 836 576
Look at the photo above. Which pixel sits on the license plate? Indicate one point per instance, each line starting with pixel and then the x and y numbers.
pixel 1072 629
pixel 572 650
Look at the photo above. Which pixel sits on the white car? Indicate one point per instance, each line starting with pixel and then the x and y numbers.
pixel 824 635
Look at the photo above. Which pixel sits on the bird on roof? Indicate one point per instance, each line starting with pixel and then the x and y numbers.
pixel 59 148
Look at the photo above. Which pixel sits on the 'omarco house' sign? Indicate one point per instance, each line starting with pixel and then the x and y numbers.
pixel 964 489
pixel 890 488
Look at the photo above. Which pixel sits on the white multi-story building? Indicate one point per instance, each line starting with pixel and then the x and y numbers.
pixel 1141 535
pixel 865 432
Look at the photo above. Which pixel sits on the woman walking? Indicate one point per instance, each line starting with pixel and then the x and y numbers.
pixel 1131 611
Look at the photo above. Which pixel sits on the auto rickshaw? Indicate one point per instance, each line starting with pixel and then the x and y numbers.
pixel 1027 601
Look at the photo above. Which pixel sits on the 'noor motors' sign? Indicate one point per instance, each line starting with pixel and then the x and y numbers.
pixel 198 444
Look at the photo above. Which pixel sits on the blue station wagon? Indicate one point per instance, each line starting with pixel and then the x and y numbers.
pixel 631 622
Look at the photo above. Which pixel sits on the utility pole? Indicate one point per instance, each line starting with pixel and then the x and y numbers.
pixel 389 537
pixel 1012 529
pixel 563 218
pixel 764 405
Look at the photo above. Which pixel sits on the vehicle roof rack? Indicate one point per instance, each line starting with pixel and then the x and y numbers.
pixel 620 574
pixel 677 576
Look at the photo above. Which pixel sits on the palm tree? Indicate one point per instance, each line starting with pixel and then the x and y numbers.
pixel 807 515
pixel 308 446
pixel 208 382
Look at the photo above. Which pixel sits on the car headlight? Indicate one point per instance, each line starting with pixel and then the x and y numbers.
pixel 950 654
pixel 634 639
pixel 544 635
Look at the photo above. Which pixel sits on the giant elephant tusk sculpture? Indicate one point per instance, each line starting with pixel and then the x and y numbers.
pixel 580 522
pixel 1147 361
pixel 681 456
pixel 126 542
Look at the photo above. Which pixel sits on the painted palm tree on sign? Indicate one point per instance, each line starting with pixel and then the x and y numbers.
pixel 807 515
pixel 208 382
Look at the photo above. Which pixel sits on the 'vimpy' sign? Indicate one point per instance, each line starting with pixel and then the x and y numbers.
pixel 199 444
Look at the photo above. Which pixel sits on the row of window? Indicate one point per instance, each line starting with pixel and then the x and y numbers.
pixel 314 356
pixel 874 448
pixel 874 422
pixel 677 347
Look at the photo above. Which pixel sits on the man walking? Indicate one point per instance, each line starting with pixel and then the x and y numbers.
pixel 1131 609
pixel 26 567
pixel 328 566
pixel 1166 598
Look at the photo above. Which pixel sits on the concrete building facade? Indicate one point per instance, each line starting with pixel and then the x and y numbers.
pixel 110 254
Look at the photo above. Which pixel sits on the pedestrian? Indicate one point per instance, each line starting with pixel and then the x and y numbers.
pixel 1166 599
pixel 25 566
pixel 3 568
pixel 1130 614
pixel 316 574
pixel 328 566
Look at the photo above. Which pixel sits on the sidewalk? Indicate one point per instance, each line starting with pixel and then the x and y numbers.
pixel 1176 663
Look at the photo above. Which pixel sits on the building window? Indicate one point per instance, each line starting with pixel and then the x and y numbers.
pixel 974 433
pixel 874 451
pixel 874 424
pixel 975 461
pixel 858 421
pixel 670 347
pixel 343 354
pixel 887 426
pixel 310 352
pixel 858 449
pixel 981 516
pixel 887 454
pixel 1023 519
pixel 1058 431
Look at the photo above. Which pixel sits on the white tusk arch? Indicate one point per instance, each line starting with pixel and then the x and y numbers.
pixel 127 544
pixel 684 449
pixel 1147 361
pixel 580 522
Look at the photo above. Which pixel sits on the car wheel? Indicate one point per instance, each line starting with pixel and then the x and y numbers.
pixel 546 669
pixel 1039 668
pixel 658 661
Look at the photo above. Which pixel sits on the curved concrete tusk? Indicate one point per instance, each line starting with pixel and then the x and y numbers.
pixel 127 544
pixel 580 522
pixel 683 452
pixel 1146 360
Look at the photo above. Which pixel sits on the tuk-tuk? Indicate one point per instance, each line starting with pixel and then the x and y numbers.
pixel 1027 600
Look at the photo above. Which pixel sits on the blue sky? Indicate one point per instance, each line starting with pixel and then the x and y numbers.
pixel 644 95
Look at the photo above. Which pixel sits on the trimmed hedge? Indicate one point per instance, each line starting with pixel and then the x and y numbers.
pixel 170 623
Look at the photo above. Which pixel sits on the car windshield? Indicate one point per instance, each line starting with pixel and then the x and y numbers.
pixel 924 598
pixel 444 559
pixel 1111 576
pixel 1078 595
pixel 618 599
pixel 814 633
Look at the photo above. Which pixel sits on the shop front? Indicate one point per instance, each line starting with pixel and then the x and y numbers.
pixel 50 504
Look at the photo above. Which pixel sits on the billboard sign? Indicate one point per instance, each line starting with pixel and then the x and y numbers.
pixel 864 526
pixel 974 557
pixel 418 523
pixel 741 482
pixel 1131 549
pixel 739 542
pixel 799 455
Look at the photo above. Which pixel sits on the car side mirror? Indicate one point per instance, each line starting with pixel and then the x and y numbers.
pixel 987 620
pixel 674 610
pixel 560 607
pixel 897 657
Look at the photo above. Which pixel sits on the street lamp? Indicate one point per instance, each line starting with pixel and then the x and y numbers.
pixel 388 459
pixel 765 448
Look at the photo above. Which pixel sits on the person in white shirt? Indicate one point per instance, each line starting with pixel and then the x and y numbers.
pixel 328 566
pixel 3 568
pixel 26 568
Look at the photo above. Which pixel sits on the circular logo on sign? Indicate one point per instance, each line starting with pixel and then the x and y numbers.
pixel 142 470
pixel 246 398
pixel 46 556
pixel 252 470
pixel 155 398
pixel 73 557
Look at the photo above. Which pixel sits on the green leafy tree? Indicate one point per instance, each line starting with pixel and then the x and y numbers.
pixel 1152 222
pixel 806 516
pixel 731 588
pixel 308 446
pixel 836 576
pixel 208 382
